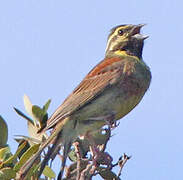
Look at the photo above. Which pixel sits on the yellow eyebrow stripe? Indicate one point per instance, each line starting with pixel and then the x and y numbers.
pixel 121 27
pixel 115 33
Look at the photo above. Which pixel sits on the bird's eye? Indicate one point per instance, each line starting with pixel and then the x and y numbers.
pixel 120 32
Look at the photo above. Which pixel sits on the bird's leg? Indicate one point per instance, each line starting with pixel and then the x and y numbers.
pixel 111 122
pixel 99 156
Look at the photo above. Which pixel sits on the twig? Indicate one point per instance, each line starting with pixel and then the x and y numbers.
pixel 122 162
pixel 85 175
pixel 76 145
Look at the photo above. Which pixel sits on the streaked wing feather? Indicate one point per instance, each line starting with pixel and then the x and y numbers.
pixel 91 86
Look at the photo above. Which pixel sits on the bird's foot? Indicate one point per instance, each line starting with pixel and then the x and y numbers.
pixel 111 122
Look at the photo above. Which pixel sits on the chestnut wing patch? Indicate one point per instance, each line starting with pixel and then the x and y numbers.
pixel 100 78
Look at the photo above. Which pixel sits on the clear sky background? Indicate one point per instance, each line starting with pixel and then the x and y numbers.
pixel 48 46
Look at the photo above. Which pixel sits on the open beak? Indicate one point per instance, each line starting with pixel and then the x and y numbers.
pixel 135 32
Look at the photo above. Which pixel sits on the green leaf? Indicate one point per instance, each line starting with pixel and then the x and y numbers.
pixel 44 120
pixel 38 112
pixel 28 107
pixel 46 106
pixel 27 146
pixel 33 133
pixel 72 155
pixel 27 104
pixel 48 172
pixel 3 132
pixel 41 114
pixel 30 140
pixel 33 149
pixel 23 115
pixel 32 130
pixel 5 153
pixel 13 157
pixel 7 174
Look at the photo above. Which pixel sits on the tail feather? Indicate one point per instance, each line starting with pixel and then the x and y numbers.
pixel 49 153
pixel 56 133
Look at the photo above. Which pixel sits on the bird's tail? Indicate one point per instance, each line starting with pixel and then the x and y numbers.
pixel 50 152
pixel 56 143
pixel 54 137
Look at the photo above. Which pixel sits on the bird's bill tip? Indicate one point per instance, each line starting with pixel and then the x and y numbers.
pixel 135 32
pixel 140 36
pixel 141 25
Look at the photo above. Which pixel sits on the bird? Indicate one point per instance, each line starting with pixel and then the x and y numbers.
pixel 111 89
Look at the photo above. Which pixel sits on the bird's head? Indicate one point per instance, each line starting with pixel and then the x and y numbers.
pixel 126 39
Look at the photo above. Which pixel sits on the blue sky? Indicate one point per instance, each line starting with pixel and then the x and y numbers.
pixel 48 46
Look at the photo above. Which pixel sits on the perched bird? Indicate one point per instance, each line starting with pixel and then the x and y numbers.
pixel 111 89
